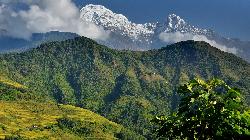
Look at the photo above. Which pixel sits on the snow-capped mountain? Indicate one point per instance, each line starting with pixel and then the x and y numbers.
pixel 122 30
pixel 128 35
pixel 119 24
pixel 115 22
pixel 125 34
pixel 177 24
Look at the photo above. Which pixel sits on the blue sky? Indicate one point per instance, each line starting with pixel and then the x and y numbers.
pixel 230 18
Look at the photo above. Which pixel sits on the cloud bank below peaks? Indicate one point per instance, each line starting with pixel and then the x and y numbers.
pixel 42 16
pixel 178 36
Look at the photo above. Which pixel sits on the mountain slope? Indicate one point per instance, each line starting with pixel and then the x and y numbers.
pixel 6 81
pixel 125 86
pixel 10 90
pixel 32 120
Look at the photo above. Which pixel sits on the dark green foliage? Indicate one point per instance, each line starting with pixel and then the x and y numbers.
pixel 124 86
pixel 10 93
pixel 87 129
pixel 209 110
pixel 14 137
pixel 126 134
pixel 80 128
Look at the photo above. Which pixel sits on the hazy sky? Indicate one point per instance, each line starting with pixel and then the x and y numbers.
pixel 230 18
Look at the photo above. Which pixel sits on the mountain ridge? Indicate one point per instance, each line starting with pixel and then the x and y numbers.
pixel 127 87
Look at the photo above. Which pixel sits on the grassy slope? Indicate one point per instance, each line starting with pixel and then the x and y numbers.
pixel 7 81
pixel 46 120
pixel 22 119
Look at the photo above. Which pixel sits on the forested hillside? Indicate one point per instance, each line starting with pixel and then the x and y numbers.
pixel 126 87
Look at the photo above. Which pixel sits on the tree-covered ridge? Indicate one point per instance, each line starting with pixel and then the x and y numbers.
pixel 126 87
pixel 32 120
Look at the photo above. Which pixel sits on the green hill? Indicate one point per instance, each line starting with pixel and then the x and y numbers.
pixel 126 87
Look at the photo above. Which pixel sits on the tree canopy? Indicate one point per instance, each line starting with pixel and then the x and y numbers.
pixel 207 110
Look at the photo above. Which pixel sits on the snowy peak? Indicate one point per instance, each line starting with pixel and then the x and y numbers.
pixel 120 24
pixel 122 29
pixel 115 22
pixel 175 21
pixel 177 24
pixel 125 34
pixel 99 15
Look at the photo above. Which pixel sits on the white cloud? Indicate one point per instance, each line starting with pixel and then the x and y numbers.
pixel 178 36
pixel 44 16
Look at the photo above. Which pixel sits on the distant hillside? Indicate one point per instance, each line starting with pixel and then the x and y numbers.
pixel 124 86
pixel 30 120
pixel 10 44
